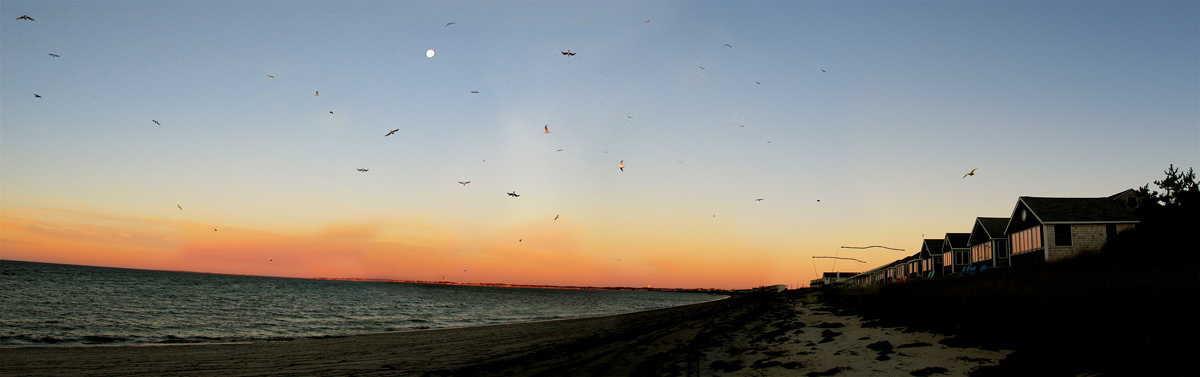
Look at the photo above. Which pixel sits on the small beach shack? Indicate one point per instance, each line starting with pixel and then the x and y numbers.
pixel 833 279
pixel 989 245
pixel 956 253
pixel 1047 229
pixel 931 257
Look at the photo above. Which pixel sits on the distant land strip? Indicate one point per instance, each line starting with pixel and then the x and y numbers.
pixel 506 285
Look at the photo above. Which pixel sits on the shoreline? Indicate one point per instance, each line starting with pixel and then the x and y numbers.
pixel 159 344
pixel 766 335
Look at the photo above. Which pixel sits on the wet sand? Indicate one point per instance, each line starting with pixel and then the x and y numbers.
pixel 739 336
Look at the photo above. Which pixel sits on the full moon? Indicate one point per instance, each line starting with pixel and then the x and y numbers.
pixel 429 54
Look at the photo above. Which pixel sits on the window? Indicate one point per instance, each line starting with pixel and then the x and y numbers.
pixel 1062 235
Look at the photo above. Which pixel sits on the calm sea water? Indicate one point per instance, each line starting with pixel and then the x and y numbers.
pixel 51 304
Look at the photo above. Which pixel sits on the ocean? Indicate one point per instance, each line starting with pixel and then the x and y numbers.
pixel 57 305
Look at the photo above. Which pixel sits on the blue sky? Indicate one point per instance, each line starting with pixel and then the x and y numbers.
pixel 876 109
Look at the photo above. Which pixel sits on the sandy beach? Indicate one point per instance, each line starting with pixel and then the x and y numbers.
pixel 739 336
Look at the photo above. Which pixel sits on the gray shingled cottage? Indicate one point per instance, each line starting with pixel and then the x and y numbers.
pixel 989 244
pixel 1049 229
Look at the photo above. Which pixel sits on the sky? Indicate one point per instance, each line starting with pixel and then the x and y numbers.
pixel 854 122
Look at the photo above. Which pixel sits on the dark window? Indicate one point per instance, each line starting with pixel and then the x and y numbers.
pixel 1062 235
pixel 1110 230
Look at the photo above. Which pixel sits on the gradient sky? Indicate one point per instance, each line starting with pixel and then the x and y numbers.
pixel 853 121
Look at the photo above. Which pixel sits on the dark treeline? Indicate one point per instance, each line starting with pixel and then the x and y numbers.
pixel 1125 311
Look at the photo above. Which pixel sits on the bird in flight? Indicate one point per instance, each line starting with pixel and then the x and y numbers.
pixel 622 165
pixel 156 122
pixel 727 45
pixel 555 217
pixel 475 91
pixel 758 200
pixel 514 194
pixel 391 132
pixel 972 172
pixel 318 93
pixel 331 111
pixel 448 24
pixel 24 17
pixel 559 150
pixel 568 53
pixel 363 170
pixel 35 95
pixel 701 67
pixel 547 128
pixel 463 183
pixel 180 207
pixel 822 70
pixel 54 55
pixel 271 76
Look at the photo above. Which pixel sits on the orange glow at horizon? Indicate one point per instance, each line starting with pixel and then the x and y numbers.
pixel 381 249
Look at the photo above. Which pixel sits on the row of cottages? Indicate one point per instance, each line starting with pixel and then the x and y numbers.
pixel 1038 230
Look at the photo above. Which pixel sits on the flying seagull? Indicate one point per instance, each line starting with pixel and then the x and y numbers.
pixel 156 122
pixel 475 91
pixel 54 55
pixel 758 200
pixel 822 70
pixel 180 207
pixel 514 194
pixel 622 165
pixel 363 170
pixel 331 111
pixel 35 95
pixel 727 45
pixel 463 183
pixel 23 17
pixel 448 24
pixel 318 93
pixel 972 172
pixel 555 217
pixel 568 53
pixel 271 76
pixel 391 132
pixel 868 247
pixel 701 67
pixel 547 128
pixel 559 150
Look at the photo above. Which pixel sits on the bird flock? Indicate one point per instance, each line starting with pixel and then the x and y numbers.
pixel 545 130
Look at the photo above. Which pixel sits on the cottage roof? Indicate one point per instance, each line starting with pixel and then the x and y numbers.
pixel 986 229
pixel 1078 210
pixel 931 247
pixel 957 240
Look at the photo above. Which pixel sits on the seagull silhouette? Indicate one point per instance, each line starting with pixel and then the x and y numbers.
pixel 514 194
pixel 727 45
pixel 363 170
pixel 180 207
pixel 391 132
pixel 23 17
pixel 156 122
pixel 475 91
pixel 547 128
pixel 622 165
pixel 35 95
pixel 54 55
pixel 270 76
pixel 448 24
pixel 568 53
pixel 555 217
pixel 464 183
pixel 318 93
pixel 758 200
pixel 331 111
pixel 972 172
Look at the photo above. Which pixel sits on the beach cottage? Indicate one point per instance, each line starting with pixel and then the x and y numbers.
pixel 1048 229
pixel 956 253
pixel 989 245
pixel 931 257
